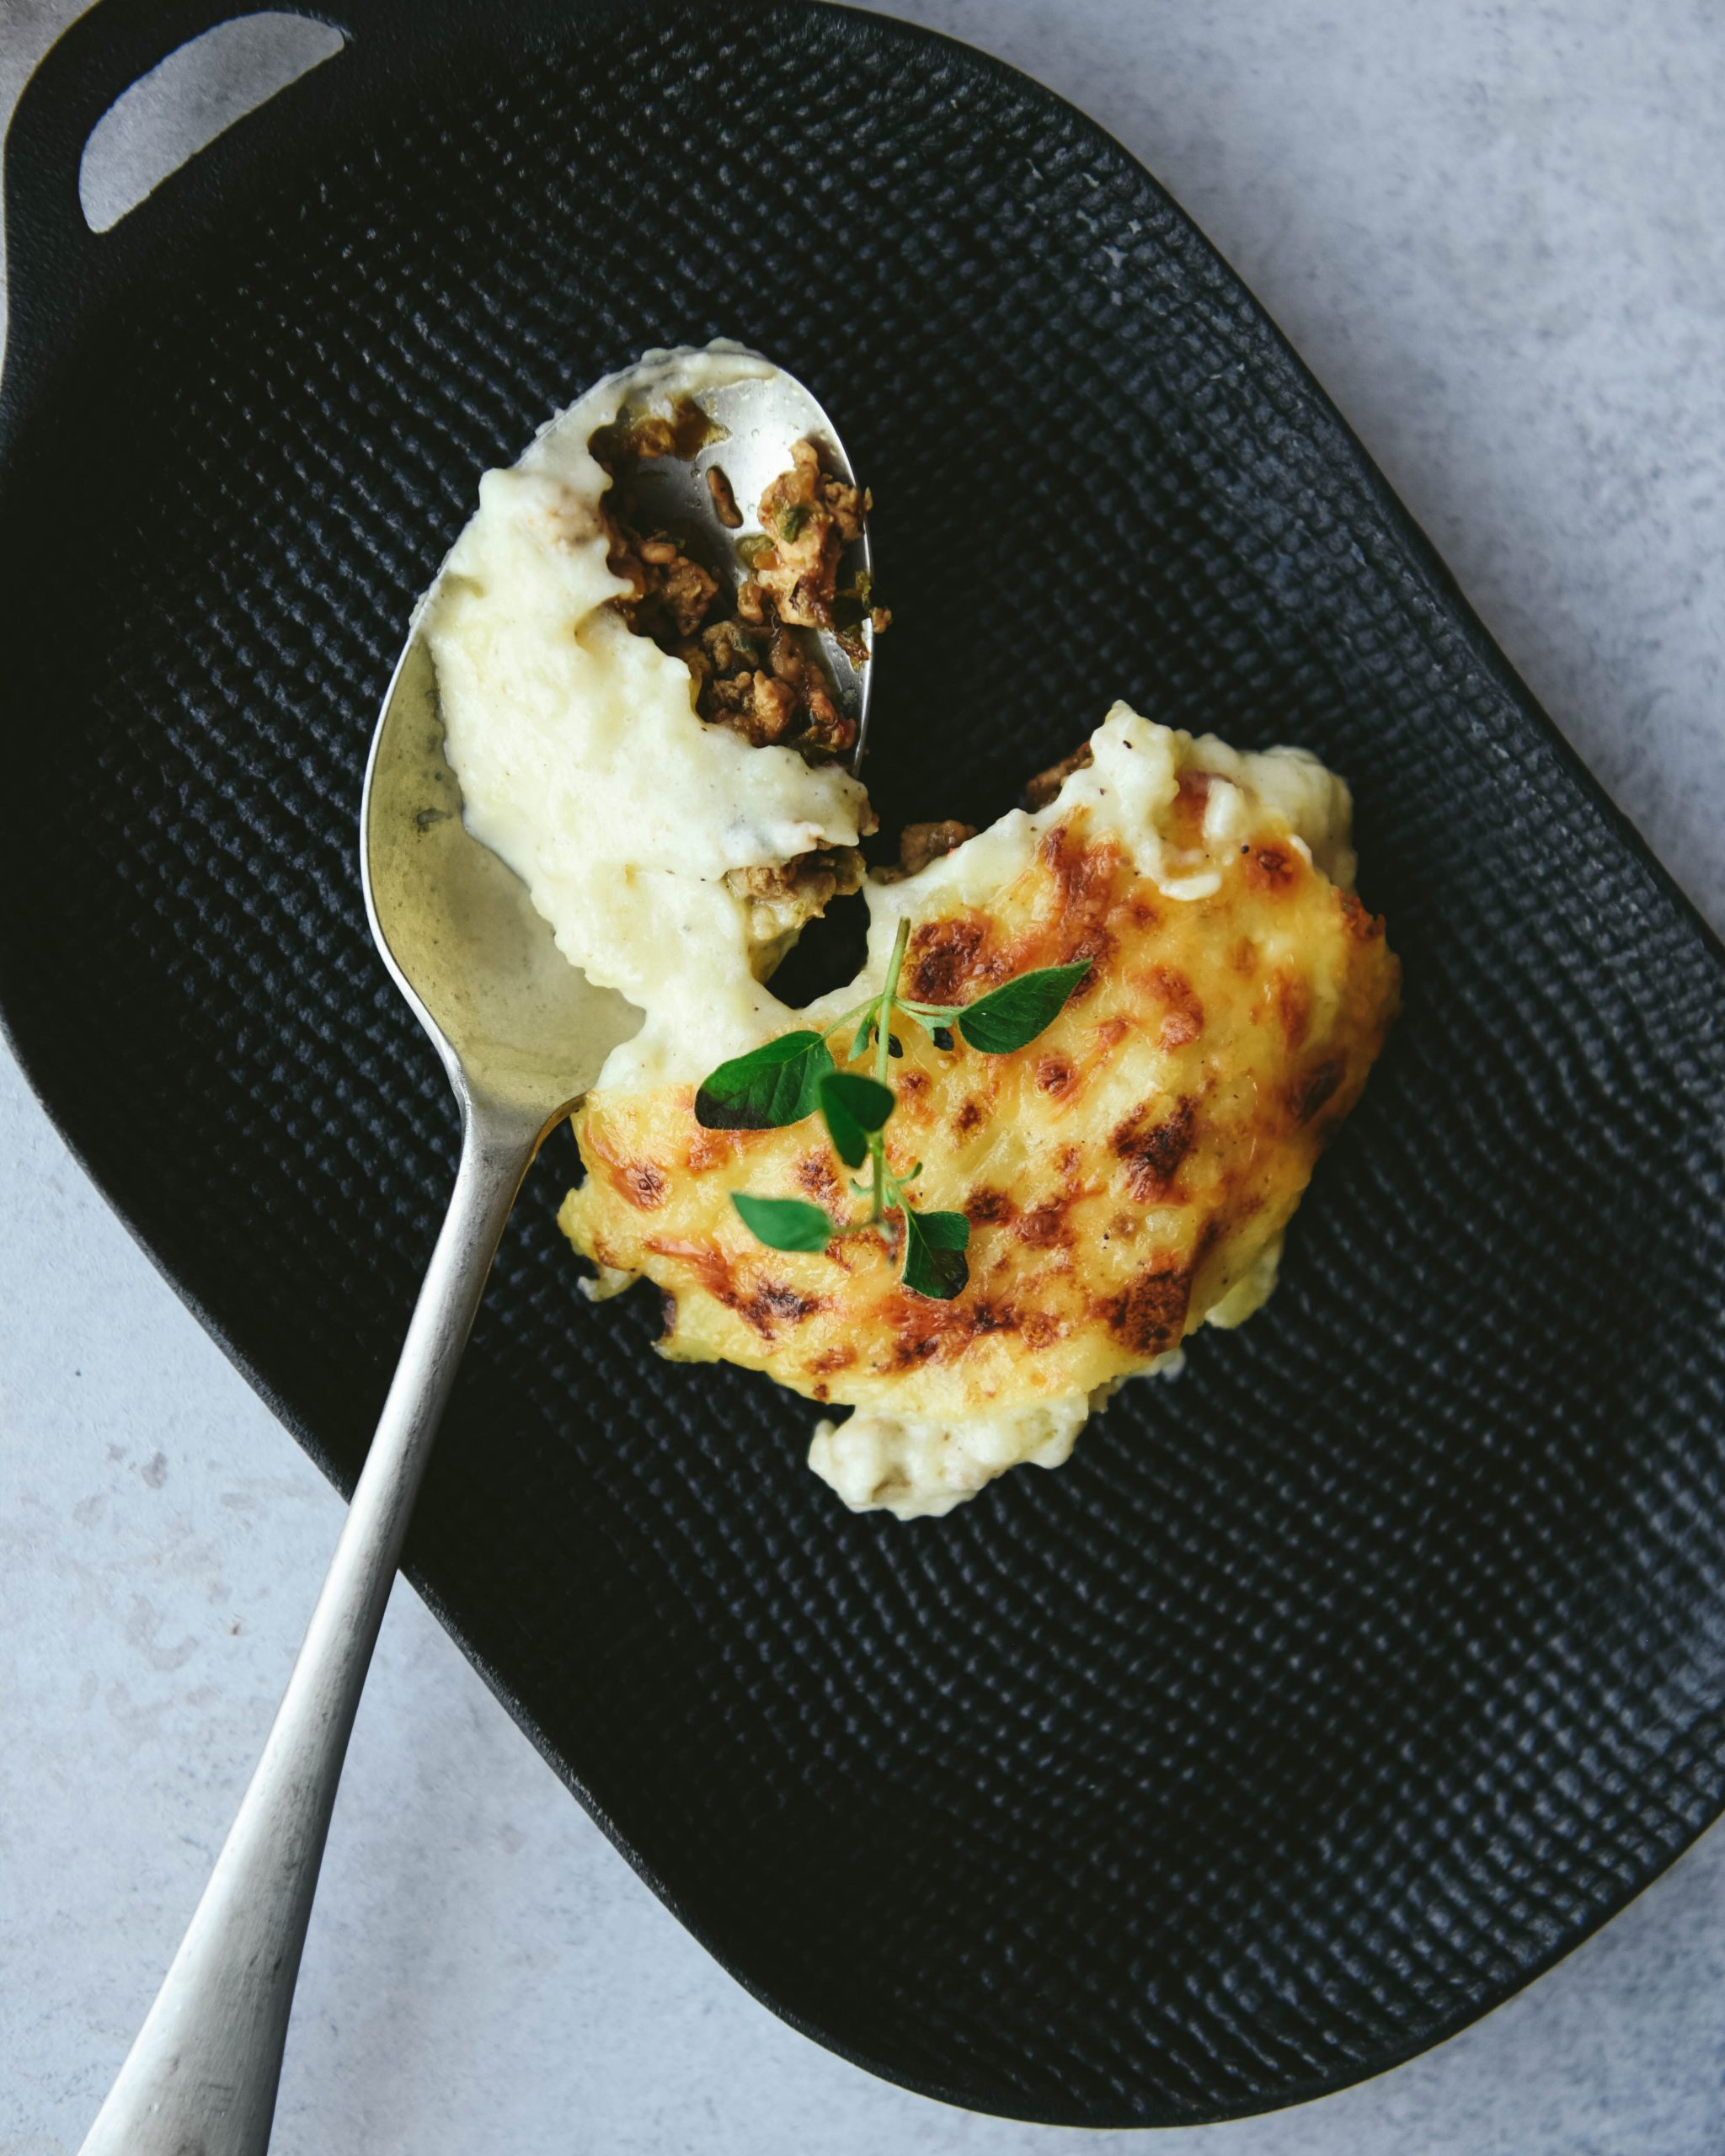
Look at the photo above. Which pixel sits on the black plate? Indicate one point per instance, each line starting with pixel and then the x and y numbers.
pixel 1330 1692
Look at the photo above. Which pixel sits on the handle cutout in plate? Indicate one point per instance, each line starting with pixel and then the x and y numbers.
pixel 186 100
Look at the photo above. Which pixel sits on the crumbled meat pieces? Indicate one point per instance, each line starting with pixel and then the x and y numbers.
pixel 671 593
pixel 724 502
pixel 764 685
pixel 783 895
pixel 753 704
pixel 1043 789
pixel 810 517
pixel 921 843
pixel 752 674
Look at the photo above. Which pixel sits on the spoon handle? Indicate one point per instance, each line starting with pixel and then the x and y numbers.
pixel 202 2074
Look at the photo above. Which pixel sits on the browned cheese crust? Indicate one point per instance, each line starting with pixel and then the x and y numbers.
pixel 1120 1174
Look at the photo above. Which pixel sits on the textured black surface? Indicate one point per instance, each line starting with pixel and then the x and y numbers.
pixel 1333 1689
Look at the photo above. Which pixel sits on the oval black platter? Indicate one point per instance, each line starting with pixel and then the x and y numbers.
pixel 1332 1690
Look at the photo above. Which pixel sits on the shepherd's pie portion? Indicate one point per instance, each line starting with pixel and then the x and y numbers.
pixel 650 745
pixel 1127 1178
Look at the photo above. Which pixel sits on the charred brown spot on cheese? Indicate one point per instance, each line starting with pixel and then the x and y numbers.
pixel 1084 871
pixel 925 1332
pixel 816 1178
pixel 1153 1145
pixel 1042 789
pixel 1316 1087
pixel 831 1360
pixel 645 1185
pixel 1044 1227
pixel 765 1307
pixel 1183 1013
pixel 1149 1315
pixel 707 1147
pixel 1293 1006
pixel 987 1207
pixel 983 1317
pixel 1142 912
pixel 712 1268
pixel 1273 868
pixel 773 1304
pixel 1095 949
pixel 971 1115
pixel 642 1184
pixel 1056 1076
pixel 1243 958
pixel 913 1088
pixel 920 1329
pixel 1186 819
pixel 1363 927
pixel 943 958
pixel 1106 1036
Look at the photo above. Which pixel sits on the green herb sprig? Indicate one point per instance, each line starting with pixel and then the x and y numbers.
pixel 797 1075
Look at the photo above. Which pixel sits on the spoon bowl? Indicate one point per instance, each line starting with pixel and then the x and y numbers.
pixel 513 1021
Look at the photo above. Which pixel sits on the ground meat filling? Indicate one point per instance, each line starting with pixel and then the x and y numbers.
pixel 783 896
pixel 921 843
pixel 811 518
pixel 758 680
pixel 1043 789
pixel 751 674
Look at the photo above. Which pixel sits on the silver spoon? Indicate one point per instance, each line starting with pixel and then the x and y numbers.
pixel 522 1034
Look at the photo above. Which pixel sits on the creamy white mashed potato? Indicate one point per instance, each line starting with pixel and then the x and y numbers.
pixel 581 758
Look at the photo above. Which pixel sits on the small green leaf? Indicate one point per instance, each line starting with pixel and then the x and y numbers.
pixel 791 520
pixel 1015 1013
pixel 771 1085
pixel 784 1223
pixel 934 1254
pixel 865 1034
pixel 853 1105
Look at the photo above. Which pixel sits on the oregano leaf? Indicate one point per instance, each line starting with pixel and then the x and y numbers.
pixel 852 1107
pixel 935 1264
pixel 1012 1015
pixel 784 1223
pixel 771 1085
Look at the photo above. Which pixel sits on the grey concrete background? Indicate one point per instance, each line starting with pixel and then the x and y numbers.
pixel 1492 227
